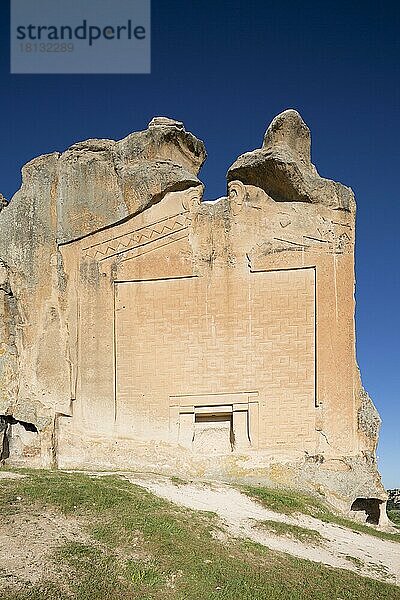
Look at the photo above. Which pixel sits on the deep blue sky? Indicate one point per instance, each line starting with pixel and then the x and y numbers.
pixel 225 69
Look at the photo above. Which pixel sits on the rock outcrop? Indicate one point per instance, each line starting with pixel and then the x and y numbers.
pixel 142 327
pixel 283 168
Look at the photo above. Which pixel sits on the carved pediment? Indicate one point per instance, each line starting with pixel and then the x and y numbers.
pixel 139 238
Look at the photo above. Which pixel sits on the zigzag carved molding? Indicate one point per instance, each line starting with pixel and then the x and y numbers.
pixel 139 237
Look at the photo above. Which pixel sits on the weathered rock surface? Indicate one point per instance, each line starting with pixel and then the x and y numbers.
pixel 63 197
pixel 283 168
pixel 141 327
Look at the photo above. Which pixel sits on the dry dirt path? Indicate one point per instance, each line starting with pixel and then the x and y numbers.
pixel 241 517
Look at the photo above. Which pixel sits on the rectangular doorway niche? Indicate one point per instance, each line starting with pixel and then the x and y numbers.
pixel 213 432
pixel 214 428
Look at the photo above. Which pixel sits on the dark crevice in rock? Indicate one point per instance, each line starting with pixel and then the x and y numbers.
pixel 6 423
pixel 12 421
pixel 4 443
pixel 371 508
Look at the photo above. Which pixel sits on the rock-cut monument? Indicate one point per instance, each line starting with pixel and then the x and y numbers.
pixel 144 328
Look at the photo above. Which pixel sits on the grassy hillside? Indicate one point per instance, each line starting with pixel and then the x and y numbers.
pixel 137 546
pixel 288 502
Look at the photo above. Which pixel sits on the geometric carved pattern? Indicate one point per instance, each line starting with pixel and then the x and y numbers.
pixel 181 337
pixel 139 237
pixel 329 236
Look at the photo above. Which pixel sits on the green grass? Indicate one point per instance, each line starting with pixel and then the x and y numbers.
pixel 286 501
pixel 291 502
pixel 306 536
pixel 178 481
pixel 394 516
pixel 356 561
pixel 140 547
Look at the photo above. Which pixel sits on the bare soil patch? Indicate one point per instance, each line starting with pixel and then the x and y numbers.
pixel 27 541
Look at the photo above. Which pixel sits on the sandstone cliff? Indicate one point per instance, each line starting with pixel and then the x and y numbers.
pixel 75 231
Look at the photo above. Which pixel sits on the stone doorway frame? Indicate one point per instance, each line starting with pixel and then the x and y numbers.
pixel 243 406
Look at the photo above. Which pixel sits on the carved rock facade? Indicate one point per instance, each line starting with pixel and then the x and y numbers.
pixel 143 328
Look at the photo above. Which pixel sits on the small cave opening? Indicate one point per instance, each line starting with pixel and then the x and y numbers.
pixel 369 506
pixel 6 424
